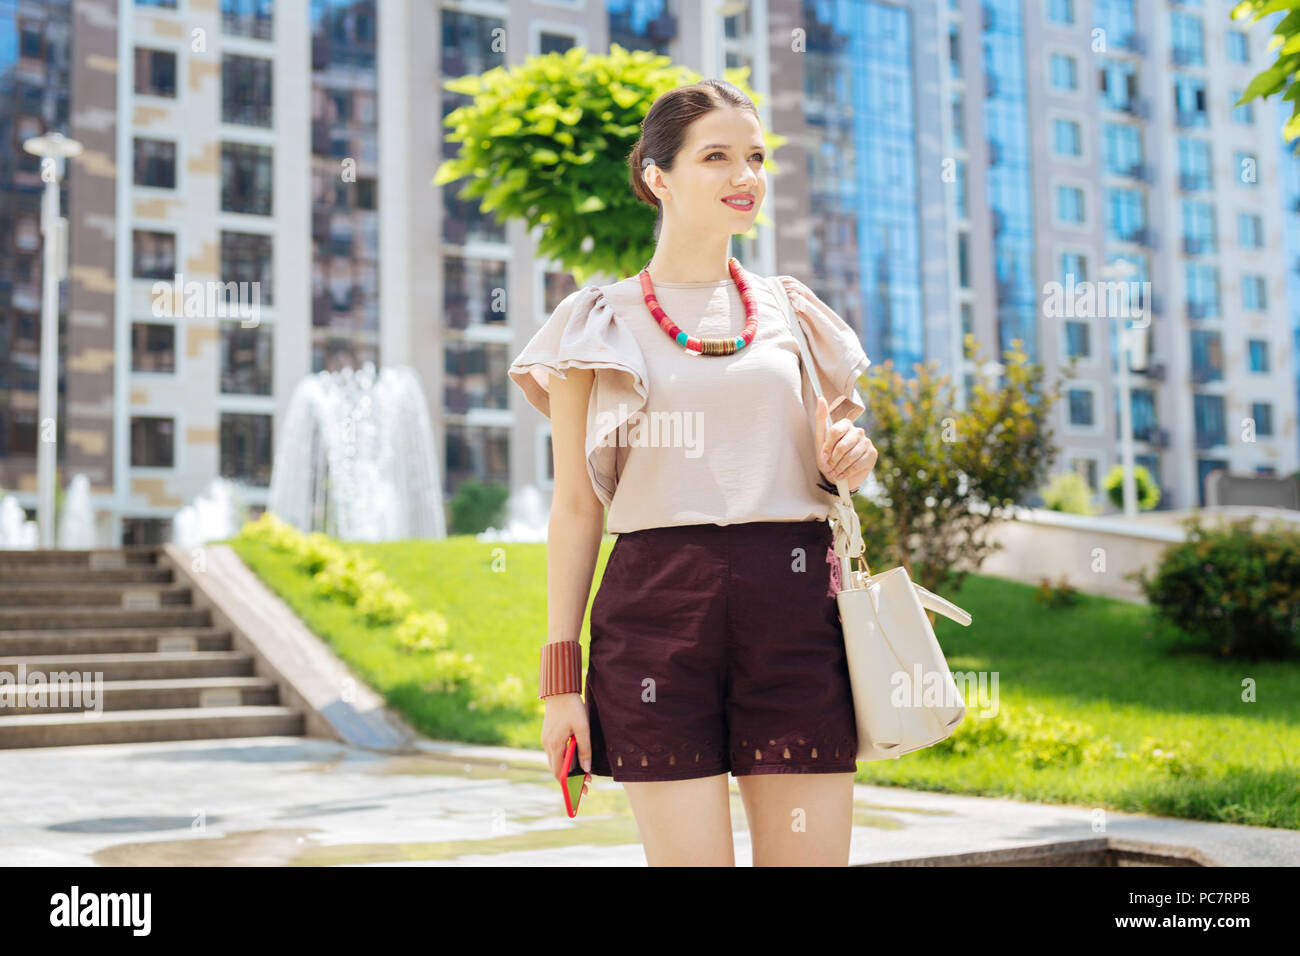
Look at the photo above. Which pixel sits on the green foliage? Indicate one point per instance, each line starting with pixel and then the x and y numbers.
pixel 1061 594
pixel 1148 492
pixel 1234 590
pixel 1281 75
pixel 1045 740
pixel 477 506
pixel 1068 492
pixel 547 142
pixel 937 460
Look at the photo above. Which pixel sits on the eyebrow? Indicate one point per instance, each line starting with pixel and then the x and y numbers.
pixel 726 146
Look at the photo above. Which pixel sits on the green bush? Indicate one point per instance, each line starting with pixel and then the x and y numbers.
pixel 1148 492
pixel 477 506
pixel 1068 491
pixel 1234 590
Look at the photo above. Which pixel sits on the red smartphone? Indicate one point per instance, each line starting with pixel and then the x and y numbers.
pixel 575 778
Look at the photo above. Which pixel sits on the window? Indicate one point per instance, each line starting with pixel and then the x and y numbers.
pixel 247 18
pixel 1125 215
pixel 954 51
pixel 152 442
pixel 246 178
pixel 1077 340
pixel 475 376
pixel 246 258
pixel 153 347
pixel 1069 204
pixel 155 163
pixel 1243 114
pixel 1118 81
pixel 1193 164
pixel 1142 405
pixel 963 260
pixel 1238 48
pixel 245 358
pixel 1122 146
pixel 959 189
pixel 1198 228
pixel 1250 230
pixel 1064 71
pixel 967 319
pixel 1074 268
pixel 1087 467
pixel 1247 168
pixel 1254 296
pixel 1203 468
pixel 958 122
pixel 554 42
pixel 1257 355
pixel 1081 412
pixel 1060 11
pixel 1207 356
pixel 1188 39
pixel 1189 101
pixel 155 72
pixel 153 254
pixel 1262 413
pixel 470 292
pixel 245 90
pixel 1202 283
pixel 1066 137
pixel 246 448
pixel 1211 426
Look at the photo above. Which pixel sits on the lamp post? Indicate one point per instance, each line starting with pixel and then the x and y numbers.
pixel 1128 338
pixel 54 149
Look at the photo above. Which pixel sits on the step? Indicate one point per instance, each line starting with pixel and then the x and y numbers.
pixel 132 555
pixel 159 666
pixel 130 574
pixel 113 640
pixel 140 695
pixel 28 594
pixel 47 617
pixel 134 726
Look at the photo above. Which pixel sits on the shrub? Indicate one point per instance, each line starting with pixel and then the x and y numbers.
pixel 1061 594
pixel 1068 492
pixel 1148 492
pixel 477 506
pixel 1234 590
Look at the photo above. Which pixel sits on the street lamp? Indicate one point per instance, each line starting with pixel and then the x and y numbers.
pixel 1132 343
pixel 54 149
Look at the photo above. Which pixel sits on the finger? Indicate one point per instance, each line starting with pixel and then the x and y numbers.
pixel 843 450
pixel 819 429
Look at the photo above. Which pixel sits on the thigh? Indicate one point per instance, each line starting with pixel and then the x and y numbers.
pixel 684 822
pixel 798 819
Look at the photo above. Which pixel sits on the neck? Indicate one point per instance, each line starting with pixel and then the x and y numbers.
pixel 701 261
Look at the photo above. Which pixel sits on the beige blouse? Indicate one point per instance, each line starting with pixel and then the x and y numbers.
pixel 676 438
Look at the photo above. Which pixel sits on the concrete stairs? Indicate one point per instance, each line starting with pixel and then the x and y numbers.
pixel 105 646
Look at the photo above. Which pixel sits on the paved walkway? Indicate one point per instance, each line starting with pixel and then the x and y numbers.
pixel 294 800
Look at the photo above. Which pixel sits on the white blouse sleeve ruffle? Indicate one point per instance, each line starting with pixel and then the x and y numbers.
pixel 585 332
pixel 835 348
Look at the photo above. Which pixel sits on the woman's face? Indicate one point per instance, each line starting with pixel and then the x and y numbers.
pixel 722 157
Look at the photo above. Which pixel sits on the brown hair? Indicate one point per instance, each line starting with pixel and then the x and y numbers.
pixel 663 131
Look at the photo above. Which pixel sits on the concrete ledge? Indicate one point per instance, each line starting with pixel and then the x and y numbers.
pixel 311 678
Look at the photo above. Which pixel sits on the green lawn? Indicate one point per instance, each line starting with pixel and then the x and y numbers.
pixel 1100 669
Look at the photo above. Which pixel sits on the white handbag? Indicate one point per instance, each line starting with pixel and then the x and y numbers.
pixel 904 696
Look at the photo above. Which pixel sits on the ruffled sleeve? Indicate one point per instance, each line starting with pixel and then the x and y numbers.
pixel 585 332
pixel 835 348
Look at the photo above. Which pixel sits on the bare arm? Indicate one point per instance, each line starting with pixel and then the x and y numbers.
pixel 572 543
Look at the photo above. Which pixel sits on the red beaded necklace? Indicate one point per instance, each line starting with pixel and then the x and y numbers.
pixel 697 346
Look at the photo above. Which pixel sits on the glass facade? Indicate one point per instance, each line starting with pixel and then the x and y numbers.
pixel 1010 188
pixel 1289 177
pixel 345 164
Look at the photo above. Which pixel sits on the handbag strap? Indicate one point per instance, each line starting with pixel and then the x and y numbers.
pixel 847 526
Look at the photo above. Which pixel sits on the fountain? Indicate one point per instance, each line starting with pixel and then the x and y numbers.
pixel 216 514
pixel 15 530
pixel 357 459
pixel 526 518
pixel 77 522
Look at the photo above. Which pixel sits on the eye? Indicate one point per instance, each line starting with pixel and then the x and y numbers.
pixel 711 155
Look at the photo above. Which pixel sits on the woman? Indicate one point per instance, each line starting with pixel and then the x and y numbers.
pixel 677 401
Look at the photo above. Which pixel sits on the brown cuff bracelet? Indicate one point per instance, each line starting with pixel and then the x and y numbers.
pixel 561 671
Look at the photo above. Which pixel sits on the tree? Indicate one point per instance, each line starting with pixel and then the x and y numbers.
pixel 936 462
pixel 1282 74
pixel 548 141
pixel 1144 486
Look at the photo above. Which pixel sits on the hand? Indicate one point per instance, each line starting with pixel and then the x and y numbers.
pixel 845 452
pixel 566 714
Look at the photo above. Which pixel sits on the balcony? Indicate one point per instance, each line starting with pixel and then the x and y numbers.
pixel 1190 119
pixel 1204 374
pixel 1156 372
pixel 1204 441
pixel 1197 310
pixel 1193 182
pixel 1160 438
pixel 1141 172
pixel 1187 56
pixel 1197 245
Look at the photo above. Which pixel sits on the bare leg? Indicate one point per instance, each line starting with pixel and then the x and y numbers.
pixel 799 819
pixel 684 822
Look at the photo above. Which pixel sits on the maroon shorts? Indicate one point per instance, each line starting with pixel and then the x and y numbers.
pixel 718 648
